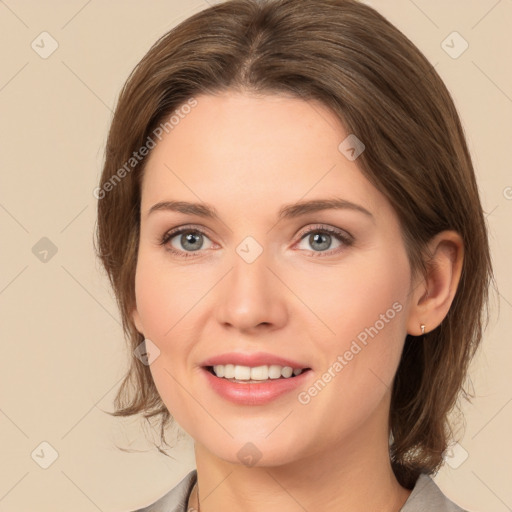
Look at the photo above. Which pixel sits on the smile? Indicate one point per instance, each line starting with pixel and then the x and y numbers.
pixel 235 372
pixel 268 383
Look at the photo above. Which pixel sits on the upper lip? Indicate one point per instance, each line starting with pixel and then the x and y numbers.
pixel 254 359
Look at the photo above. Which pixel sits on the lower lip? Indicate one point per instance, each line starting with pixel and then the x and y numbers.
pixel 254 393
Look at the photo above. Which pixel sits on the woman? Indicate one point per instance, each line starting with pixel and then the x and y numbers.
pixel 310 378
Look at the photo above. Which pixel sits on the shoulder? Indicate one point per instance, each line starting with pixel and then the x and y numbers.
pixel 426 496
pixel 176 499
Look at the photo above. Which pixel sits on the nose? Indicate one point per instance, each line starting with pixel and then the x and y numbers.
pixel 252 297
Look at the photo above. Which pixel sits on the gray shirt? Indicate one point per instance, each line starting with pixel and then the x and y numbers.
pixel 425 497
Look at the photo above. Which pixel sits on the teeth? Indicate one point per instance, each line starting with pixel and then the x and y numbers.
pixel 287 371
pixel 237 372
pixel 259 373
pixel 242 372
pixel 229 371
pixel 274 371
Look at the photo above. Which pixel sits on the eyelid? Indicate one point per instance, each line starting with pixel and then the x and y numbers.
pixel 310 227
pixel 329 229
pixel 171 233
pixel 342 235
pixel 185 227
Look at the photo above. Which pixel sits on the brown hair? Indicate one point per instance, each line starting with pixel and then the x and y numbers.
pixel 349 57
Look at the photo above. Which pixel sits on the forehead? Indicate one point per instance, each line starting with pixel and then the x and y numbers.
pixel 244 148
pixel 239 127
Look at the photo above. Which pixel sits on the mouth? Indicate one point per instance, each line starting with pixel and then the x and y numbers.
pixel 256 378
pixel 254 374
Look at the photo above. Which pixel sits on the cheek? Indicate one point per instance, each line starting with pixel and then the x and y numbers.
pixel 163 297
pixel 162 301
pixel 365 305
pixel 354 296
pixel 152 300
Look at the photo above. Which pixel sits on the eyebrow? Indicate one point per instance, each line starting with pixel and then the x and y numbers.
pixel 286 211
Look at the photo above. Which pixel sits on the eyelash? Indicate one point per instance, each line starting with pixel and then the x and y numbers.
pixel 347 240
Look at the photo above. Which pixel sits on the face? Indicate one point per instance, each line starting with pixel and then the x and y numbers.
pixel 326 291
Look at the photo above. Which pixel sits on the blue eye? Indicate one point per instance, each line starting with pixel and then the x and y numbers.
pixel 191 240
pixel 322 236
pixel 321 240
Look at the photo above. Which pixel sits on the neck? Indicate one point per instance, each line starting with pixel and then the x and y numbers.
pixel 355 475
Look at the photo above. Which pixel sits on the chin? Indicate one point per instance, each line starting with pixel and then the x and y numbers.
pixel 256 450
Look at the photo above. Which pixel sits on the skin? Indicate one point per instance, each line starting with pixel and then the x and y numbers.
pixel 247 156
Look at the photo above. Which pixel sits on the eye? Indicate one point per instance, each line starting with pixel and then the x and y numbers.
pixel 184 241
pixel 321 237
pixel 188 241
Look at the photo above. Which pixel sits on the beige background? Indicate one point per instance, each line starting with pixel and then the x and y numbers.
pixel 63 353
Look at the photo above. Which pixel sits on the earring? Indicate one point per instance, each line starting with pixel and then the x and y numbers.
pixel 422 327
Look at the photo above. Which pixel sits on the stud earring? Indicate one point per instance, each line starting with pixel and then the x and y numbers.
pixel 422 327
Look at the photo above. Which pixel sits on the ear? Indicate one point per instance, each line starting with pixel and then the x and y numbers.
pixel 136 320
pixel 433 294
